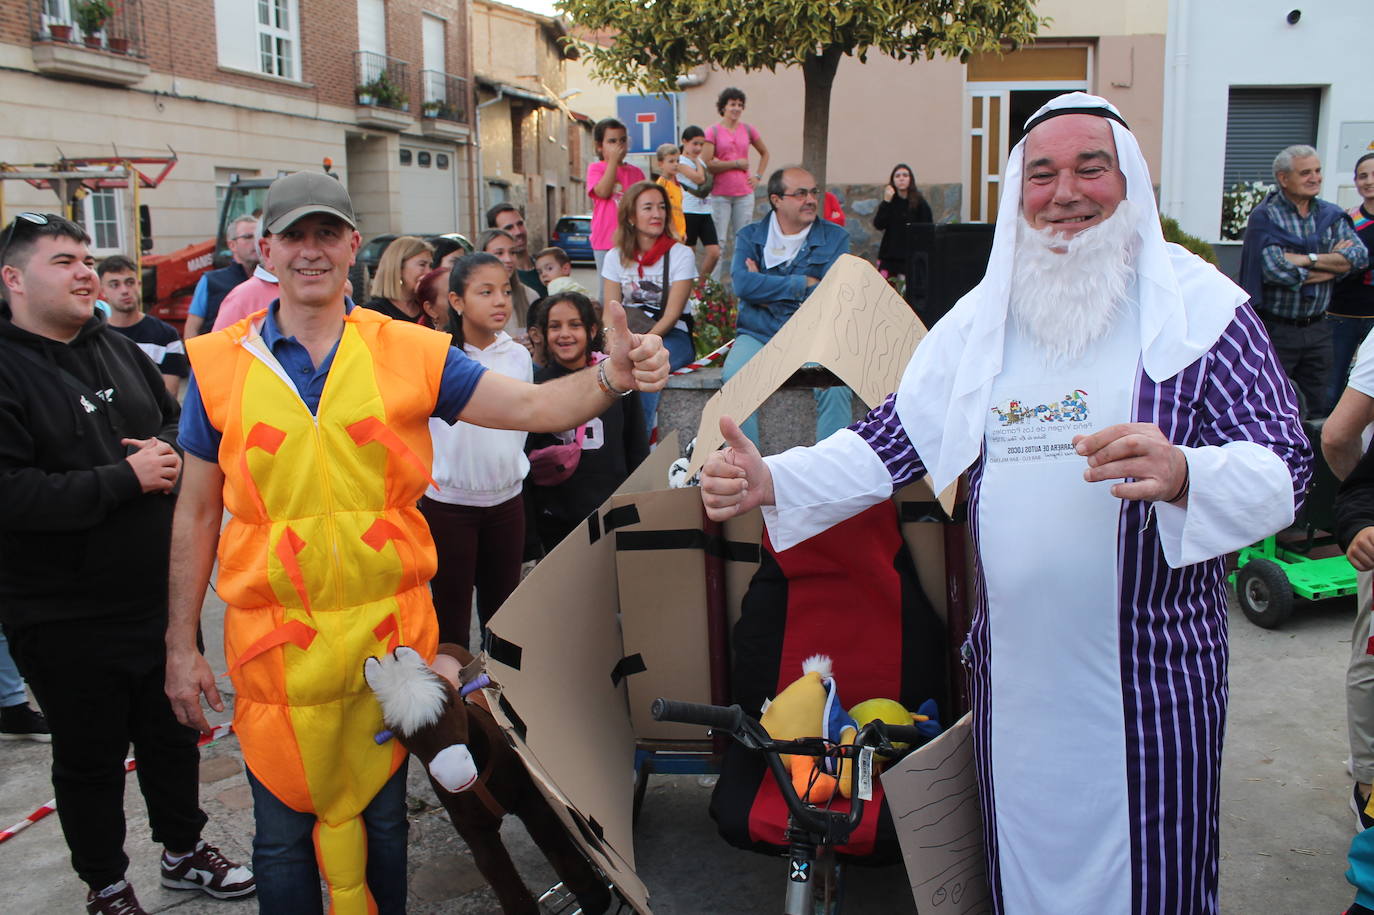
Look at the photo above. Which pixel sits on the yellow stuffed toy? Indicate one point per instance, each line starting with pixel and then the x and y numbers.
pixel 810 707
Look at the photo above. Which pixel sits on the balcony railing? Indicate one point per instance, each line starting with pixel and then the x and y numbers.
pixel 445 96
pixel 120 33
pixel 382 81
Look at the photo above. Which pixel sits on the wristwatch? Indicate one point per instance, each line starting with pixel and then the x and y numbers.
pixel 1312 257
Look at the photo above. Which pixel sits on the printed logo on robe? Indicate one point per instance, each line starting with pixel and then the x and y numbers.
pixel 1072 409
pixel 1037 428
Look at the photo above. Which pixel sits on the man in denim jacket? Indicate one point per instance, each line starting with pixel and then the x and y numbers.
pixel 777 262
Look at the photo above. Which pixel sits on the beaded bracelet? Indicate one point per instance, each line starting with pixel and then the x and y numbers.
pixel 603 382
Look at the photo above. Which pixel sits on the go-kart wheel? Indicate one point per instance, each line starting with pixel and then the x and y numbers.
pixel 1265 595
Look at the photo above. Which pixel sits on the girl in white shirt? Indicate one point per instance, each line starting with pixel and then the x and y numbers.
pixel 475 512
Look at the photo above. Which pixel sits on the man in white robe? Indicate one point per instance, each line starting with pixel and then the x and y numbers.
pixel 1124 424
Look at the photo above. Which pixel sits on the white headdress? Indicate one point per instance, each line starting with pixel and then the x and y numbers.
pixel 1184 305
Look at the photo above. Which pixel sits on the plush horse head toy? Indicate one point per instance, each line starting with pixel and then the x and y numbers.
pixel 477 775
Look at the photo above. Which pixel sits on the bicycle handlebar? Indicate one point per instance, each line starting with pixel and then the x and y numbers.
pixel 712 716
pixel 833 826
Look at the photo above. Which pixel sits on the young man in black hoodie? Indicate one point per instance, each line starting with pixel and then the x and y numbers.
pixel 88 465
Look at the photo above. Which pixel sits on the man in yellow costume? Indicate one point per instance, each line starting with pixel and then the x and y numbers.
pixel 308 422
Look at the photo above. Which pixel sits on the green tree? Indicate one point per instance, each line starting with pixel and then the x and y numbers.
pixel 658 40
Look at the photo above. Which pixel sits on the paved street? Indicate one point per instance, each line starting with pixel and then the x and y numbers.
pixel 1285 819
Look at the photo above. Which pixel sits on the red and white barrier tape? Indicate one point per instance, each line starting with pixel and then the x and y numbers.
pixel 130 764
pixel 710 358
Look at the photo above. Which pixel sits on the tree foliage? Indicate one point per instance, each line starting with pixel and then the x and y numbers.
pixel 657 40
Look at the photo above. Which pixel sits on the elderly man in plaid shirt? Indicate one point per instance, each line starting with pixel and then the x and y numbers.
pixel 1296 247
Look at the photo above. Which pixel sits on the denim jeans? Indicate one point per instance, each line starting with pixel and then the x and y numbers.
pixel 833 405
pixel 678 343
pixel 11 684
pixel 1346 336
pixel 284 851
pixel 730 214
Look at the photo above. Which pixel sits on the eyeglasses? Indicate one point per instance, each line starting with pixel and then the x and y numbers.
pixel 804 192
pixel 243 237
pixel 23 219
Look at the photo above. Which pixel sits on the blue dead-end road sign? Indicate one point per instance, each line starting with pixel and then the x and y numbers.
pixel 651 120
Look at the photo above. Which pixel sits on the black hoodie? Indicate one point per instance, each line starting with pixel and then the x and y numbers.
pixel 79 539
pixel 600 470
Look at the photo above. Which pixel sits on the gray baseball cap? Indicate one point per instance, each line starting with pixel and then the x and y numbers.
pixel 293 196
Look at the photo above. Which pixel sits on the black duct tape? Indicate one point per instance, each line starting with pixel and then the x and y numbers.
pixel 619 517
pixel 591 831
pixel 918 512
pixel 688 539
pixel 627 666
pixel 593 528
pixel 501 651
pixel 515 720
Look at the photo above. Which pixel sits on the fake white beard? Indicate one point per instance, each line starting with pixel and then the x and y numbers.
pixel 1065 294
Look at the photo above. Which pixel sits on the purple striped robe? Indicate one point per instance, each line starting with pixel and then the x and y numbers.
pixel 1172 621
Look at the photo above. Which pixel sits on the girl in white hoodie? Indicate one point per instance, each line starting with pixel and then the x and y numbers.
pixel 475 513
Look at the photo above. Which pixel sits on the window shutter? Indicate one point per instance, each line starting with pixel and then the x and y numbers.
pixel 236 35
pixel 1260 123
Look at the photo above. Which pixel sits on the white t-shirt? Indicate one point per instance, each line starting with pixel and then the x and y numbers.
pixel 691 203
pixel 648 290
pixel 1362 374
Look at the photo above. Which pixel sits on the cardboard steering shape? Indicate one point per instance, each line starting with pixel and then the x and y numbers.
pixel 854 324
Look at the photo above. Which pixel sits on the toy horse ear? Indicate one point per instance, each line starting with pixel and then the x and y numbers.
pixel 453 767
pixel 371 668
pixel 406 653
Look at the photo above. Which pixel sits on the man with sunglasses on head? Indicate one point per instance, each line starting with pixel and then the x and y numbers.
pixel 215 285
pixel 777 262
pixel 88 464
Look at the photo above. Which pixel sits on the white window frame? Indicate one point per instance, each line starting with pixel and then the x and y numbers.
pixel 281 57
pixel 88 220
pixel 57 12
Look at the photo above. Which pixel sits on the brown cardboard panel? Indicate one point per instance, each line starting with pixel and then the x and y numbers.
pixel 653 473
pixel 556 642
pixel 853 323
pixel 663 609
pixel 933 797
pixel 926 541
pixel 617 869
pixel 746 528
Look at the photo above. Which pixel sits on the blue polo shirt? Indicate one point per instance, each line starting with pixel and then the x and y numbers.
pixel 202 439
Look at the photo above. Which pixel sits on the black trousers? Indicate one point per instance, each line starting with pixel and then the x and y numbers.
pixel 100 684
pixel 1305 353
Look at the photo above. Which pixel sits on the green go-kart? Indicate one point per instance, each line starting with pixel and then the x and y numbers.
pixel 1273 573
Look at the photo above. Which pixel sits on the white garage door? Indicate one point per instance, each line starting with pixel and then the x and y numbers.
pixel 429 189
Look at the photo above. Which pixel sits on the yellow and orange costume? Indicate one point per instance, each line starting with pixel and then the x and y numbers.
pixel 325 562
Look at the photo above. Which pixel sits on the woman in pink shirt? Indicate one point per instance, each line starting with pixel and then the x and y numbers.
pixel 727 155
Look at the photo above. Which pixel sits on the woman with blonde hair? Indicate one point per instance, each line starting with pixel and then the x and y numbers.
pixel 651 273
pixel 400 267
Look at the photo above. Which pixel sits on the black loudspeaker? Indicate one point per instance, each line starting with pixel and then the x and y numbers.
pixel 948 261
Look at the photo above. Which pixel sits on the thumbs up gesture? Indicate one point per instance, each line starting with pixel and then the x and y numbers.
pixel 735 479
pixel 637 361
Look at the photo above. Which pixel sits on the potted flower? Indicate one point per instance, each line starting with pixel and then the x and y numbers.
pixel 91 16
pixel 60 31
pixel 431 108
pixel 365 94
